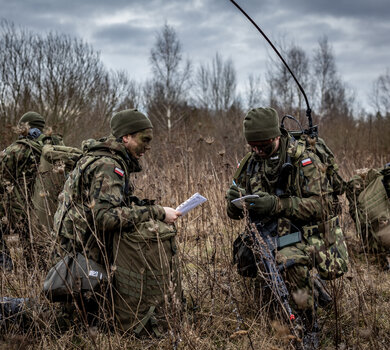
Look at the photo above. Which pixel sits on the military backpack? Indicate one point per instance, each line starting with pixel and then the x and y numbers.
pixel 369 206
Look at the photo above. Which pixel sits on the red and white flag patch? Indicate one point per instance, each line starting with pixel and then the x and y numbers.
pixel 118 171
pixel 306 162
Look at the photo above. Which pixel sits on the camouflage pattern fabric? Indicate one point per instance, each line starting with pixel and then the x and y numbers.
pixel 18 168
pixel 369 207
pixel 307 203
pixel 99 216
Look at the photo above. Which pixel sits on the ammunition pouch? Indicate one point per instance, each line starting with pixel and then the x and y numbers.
pixel 330 254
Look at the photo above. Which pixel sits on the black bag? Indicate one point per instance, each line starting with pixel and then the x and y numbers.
pixel 72 276
pixel 243 256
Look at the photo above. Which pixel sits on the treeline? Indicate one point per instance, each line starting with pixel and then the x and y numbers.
pixel 64 79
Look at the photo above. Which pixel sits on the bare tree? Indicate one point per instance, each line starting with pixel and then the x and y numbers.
pixel 284 92
pixel 380 95
pixel 333 97
pixel 60 77
pixel 165 94
pixel 216 86
pixel 253 92
pixel 15 72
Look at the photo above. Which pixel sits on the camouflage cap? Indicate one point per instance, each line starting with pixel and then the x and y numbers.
pixel 34 119
pixel 261 124
pixel 129 121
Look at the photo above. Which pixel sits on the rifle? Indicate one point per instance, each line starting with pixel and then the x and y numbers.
pixel 264 245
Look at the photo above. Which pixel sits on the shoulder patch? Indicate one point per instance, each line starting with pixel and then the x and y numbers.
pixel 306 161
pixel 118 171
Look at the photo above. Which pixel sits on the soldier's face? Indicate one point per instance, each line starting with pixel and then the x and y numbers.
pixel 137 144
pixel 265 149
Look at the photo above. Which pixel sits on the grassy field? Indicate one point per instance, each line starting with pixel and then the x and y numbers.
pixel 223 311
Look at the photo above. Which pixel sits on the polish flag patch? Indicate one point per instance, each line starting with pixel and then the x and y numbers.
pixel 306 162
pixel 118 171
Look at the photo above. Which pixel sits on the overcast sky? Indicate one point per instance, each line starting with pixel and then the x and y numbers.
pixel 124 31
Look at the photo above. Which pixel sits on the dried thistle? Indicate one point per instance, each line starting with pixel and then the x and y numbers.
pixel 301 298
pixel 209 140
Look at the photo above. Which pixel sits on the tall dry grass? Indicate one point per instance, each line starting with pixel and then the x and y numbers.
pixel 223 310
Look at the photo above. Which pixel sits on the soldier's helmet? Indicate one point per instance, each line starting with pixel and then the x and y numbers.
pixel 129 121
pixel 261 124
pixel 34 119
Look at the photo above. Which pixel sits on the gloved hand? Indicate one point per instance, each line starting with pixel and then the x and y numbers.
pixel 234 192
pixel 265 205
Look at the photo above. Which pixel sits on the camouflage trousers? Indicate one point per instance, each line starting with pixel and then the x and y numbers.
pixel 323 247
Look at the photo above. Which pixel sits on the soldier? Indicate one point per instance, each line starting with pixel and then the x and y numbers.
pixel 302 202
pixel 18 170
pixel 100 217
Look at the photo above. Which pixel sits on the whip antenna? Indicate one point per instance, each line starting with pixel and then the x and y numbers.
pixel 312 130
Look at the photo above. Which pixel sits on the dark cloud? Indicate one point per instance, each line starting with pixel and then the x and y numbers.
pixel 124 31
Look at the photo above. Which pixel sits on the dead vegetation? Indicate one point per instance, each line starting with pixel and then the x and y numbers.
pixel 223 310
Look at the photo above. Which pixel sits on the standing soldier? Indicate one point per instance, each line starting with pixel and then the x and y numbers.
pixel 100 217
pixel 18 170
pixel 300 201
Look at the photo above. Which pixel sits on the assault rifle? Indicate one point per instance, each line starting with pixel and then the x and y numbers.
pixel 265 242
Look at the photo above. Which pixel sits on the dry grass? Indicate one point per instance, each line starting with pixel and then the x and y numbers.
pixel 223 310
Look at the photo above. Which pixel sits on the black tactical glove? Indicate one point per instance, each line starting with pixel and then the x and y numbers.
pixel 265 205
pixel 234 192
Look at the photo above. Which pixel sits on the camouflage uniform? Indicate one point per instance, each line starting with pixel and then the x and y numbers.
pixel 99 216
pixel 18 169
pixel 306 205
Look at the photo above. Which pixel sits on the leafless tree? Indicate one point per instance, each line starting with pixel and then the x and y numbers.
pixel 216 85
pixel 15 72
pixel 380 95
pixel 333 97
pixel 60 77
pixel 284 92
pixel 166 93
pixel 253 92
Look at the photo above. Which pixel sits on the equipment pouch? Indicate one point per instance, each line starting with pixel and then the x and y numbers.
pixel 243 256
pixel 73 275
pixel 330 254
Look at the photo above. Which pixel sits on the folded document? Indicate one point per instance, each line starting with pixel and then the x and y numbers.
pixel 239 201
pixel 191 203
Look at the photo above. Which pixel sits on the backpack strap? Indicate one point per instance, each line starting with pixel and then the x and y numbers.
pixel 242 166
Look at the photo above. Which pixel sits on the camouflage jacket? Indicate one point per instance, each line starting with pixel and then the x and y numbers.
pixel 307 196
pixel 97 200
pixel 18 168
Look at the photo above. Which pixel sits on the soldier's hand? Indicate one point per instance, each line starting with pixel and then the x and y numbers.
pixel 234 192
pixel 171 215
pixel 264 205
